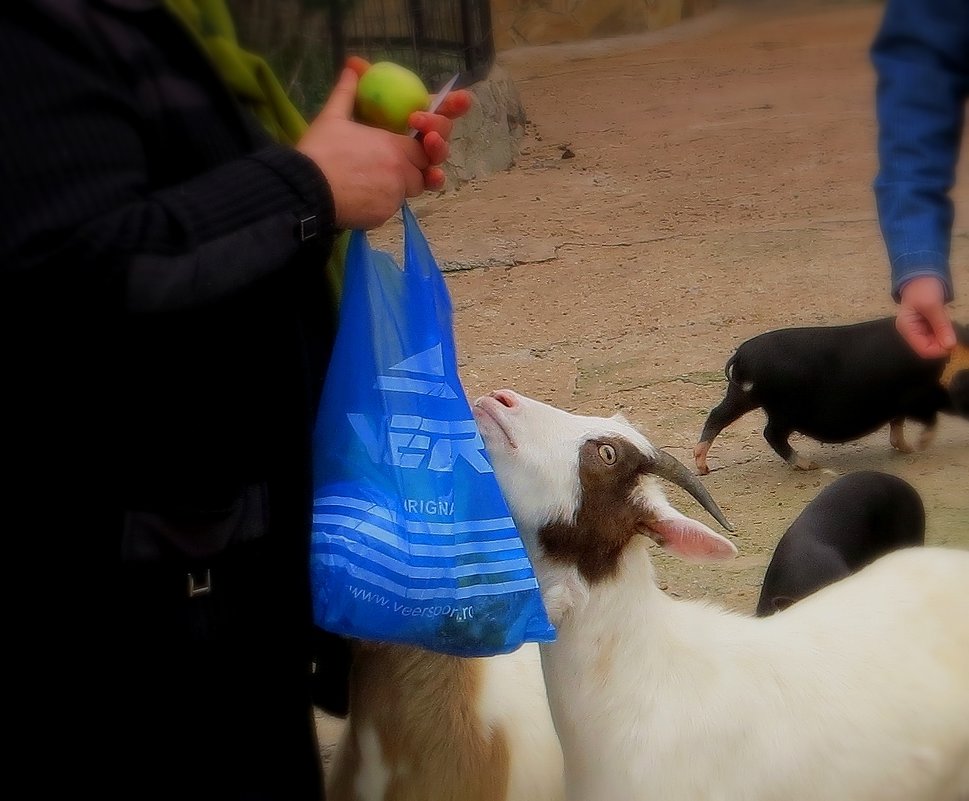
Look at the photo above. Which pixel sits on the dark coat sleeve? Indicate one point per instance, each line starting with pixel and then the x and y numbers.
pixel 159 309
pixel 80 198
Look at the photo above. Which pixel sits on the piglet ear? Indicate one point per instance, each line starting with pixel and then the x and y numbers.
pixel 689 539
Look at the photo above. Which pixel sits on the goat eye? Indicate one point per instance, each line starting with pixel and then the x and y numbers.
pixel 607 453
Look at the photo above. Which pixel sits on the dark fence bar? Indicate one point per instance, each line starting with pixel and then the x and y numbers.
pixel 307 41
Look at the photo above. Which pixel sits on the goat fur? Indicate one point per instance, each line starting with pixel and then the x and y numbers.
pixel 859 692
pixel 430 727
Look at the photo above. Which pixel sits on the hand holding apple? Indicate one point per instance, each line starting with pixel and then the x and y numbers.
pixel 370 170
pixel 387 94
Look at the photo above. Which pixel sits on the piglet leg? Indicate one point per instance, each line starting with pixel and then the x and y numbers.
pixel 896 435
pixel 777 436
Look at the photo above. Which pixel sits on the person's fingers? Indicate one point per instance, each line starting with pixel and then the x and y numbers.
pixel 358 64
pixel 941 326
pixel 413 182
pixel 922 318
pixel 425 123
pixel 914 328
pixel 436 147
pixel 434 179
pixel 414 151
pixel 412 163
pixel 456 104
pixel 341 100
pixel 931 349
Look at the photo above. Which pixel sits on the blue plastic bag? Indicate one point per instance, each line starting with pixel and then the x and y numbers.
pixel 412 541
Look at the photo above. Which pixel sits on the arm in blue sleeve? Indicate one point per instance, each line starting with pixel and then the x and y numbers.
pixel 921 56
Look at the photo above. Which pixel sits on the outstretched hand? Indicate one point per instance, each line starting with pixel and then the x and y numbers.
pixel 922 318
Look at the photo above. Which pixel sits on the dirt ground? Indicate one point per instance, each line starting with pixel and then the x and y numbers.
pixel 679 192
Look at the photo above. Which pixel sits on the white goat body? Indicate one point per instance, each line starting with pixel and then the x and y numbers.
pixel 858 693
pixel 429 727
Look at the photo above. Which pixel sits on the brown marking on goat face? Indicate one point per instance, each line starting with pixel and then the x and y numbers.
pixel 423 706
pixel 606 520
pixel 958 361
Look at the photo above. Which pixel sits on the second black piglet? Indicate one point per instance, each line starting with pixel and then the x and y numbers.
pixel 849 524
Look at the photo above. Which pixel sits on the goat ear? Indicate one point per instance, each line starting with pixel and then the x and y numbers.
pixel 689 539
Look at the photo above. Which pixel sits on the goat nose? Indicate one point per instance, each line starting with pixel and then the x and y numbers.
pixel 505 397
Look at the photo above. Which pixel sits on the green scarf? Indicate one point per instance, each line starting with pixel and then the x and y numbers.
pixel 246 74
pixel 254 84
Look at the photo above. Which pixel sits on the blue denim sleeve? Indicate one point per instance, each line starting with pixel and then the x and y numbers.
pixel 921 57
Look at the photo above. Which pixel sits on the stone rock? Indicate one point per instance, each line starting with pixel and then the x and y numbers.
pixel 488 138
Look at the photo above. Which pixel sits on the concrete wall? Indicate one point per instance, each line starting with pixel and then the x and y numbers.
pixel 537 22
pixel 488 139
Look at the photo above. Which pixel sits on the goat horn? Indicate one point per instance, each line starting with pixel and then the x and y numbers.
pixel 670 468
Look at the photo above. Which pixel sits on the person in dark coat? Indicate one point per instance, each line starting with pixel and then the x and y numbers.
pixel 167 318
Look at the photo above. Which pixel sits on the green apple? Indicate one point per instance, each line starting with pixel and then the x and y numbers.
pixel 387 94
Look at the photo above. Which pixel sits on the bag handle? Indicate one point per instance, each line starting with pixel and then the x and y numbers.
pixel 418 259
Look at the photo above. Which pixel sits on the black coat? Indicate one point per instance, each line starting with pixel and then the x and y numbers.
pixel 166 328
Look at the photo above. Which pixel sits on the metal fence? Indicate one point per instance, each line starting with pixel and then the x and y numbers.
pixel 307 41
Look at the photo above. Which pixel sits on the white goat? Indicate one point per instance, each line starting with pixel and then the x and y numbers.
pixel 857 693
pixel 429 727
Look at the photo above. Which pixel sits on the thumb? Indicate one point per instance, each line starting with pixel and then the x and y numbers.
pixel 942 327
pixel 343 96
